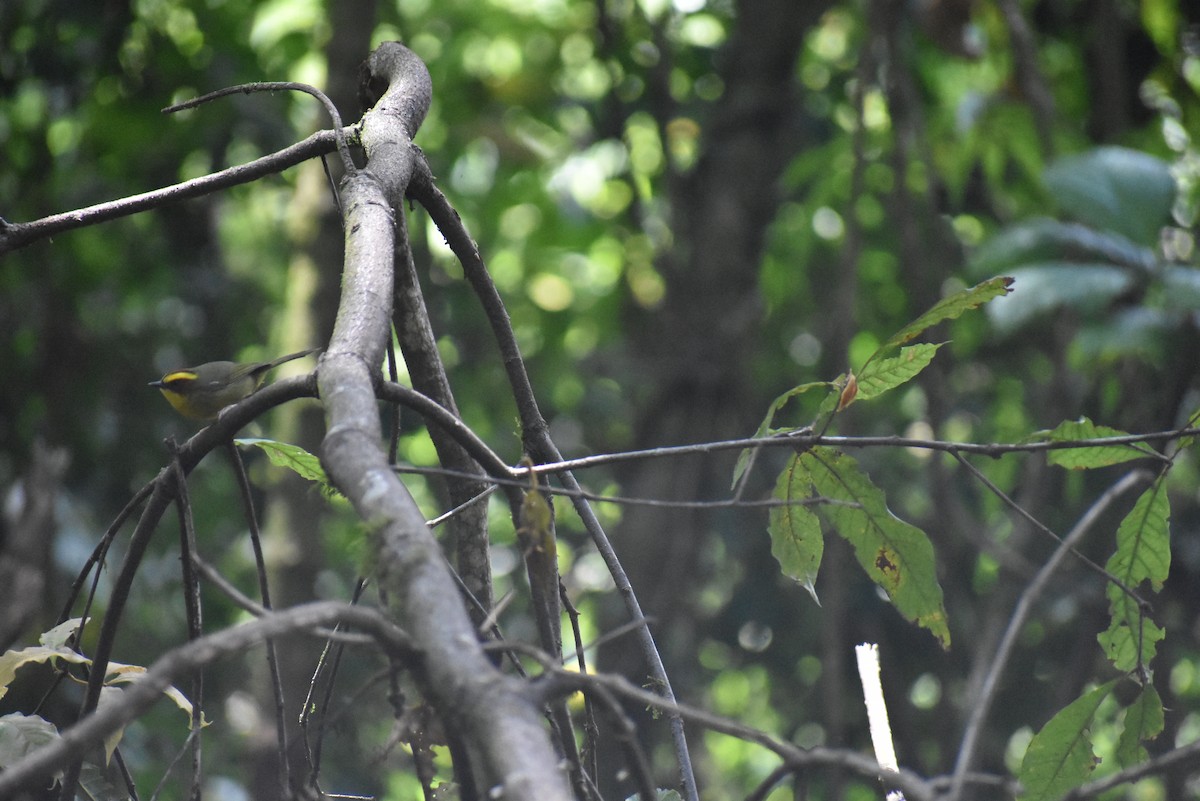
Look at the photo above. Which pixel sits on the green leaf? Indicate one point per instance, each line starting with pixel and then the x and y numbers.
pixel 880 375
pixel 1043 239
pixel 1131 638
pixel 764 428
pixel 952 307
pixel 1046 286
pixel 1143 554
pixel 896 555
pixel 796 541
pixel 1115 188
pixel 1060 757
pixel 1144 721
pixel 1143 542
pixel 294 458
pixel 1089 457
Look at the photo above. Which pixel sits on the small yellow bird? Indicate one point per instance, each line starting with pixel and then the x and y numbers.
pixel 202 392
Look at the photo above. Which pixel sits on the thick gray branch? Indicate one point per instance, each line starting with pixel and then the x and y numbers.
pixel 509 751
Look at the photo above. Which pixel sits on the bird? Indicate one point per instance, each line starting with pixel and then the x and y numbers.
pixel 201 392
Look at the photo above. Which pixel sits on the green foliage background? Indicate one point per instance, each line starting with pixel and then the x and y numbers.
pixel 567 134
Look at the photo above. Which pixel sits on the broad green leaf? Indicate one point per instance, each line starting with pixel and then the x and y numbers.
pixel 294 458
pixel 1060 757
pixel 1132 331
pixel 952 307
pixel 1089 457
pixel 1115 188
pixel 1046 286
pixel 1043 239
pixel 1181 287
pixel 880 375
pixel 896 555
pixel 796 541
pixel 1143 542
pixel 764 428
pixel 1144 721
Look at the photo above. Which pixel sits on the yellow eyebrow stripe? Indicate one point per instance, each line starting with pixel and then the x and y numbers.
pixel 179 375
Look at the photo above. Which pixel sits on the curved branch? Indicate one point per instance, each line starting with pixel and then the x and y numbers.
pixel 280 86
pixel 18 235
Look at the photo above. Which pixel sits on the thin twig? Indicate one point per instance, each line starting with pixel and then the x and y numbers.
pixel 536 435
pixel 560 681
pixel 280 86
pixel 982 704
pixel 623 500
pixel 195 610
pixel 260 564
pixel 1038 525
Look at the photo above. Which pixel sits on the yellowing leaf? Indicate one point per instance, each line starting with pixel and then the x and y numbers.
pixel 61 634
pixel 10 661
pixel 127 674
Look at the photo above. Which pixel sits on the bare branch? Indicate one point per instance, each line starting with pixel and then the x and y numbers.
pixel 280 86
pixel 17 235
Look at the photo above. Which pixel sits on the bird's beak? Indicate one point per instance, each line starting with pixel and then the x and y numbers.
pixel 156 384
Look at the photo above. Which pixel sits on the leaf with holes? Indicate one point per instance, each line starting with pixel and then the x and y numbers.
pixel 1060 756
pixel 1144 721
